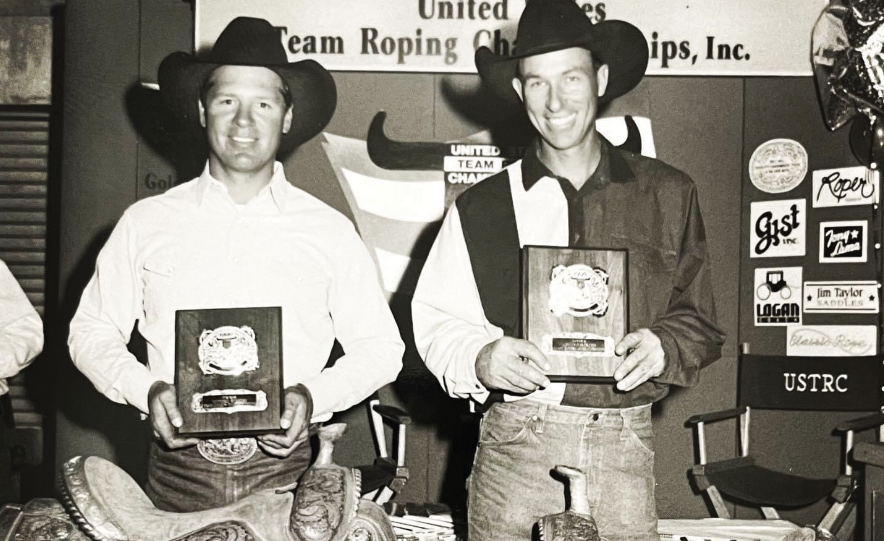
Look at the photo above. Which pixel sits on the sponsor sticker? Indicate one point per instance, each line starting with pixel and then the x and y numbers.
pixel 831 340
pixel 845 297
pixel 778 296
pixel 845 186
pixel 778 228
pixel 778 165
pixel 844 242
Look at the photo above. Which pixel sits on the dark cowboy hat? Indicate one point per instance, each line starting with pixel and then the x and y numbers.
pixel 252 42
pixel 552 25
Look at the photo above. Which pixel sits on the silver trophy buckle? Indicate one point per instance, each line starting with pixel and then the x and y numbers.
pixel 227 451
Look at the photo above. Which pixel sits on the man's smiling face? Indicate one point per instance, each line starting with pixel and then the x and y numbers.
pixel 244 114
pixel 560 91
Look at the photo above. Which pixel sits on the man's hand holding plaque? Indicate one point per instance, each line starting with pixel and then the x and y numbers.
pixel 295 421
pixel 644 360
pixel 165 418
pixel 512 364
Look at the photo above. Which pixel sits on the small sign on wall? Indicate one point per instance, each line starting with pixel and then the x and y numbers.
pixel 778 165
pixel 844 297
pixel 831 340
pixel 845 186
pixel 821 383
pixel 778 228
pixel 778 296
pixel 844 242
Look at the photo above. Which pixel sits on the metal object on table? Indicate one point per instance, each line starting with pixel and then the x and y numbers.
pixel 575 523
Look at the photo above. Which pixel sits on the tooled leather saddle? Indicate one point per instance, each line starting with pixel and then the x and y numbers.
pixel 108 505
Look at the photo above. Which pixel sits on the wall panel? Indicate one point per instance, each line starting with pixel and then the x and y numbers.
pixel 99 157
pixel 694 132
pixel 788 108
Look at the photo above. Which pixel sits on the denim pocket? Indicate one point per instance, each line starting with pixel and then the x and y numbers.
pixel 501 427
pixel 635 484
pixel 640 439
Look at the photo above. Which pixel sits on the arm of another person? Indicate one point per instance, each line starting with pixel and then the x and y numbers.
pixel 686 337
pixel 21 329
pixel 467 354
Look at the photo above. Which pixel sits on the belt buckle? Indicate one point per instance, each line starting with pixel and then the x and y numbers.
pixel 227 451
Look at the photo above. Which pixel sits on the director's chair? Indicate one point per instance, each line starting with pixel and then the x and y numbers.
pixel 386 477
pixel 793 383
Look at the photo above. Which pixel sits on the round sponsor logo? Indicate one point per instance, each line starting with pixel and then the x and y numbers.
pixel 778 165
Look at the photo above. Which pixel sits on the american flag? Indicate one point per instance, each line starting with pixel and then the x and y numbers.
pixel 398 210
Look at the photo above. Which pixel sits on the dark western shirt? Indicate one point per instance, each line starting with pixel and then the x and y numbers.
pixel 469 293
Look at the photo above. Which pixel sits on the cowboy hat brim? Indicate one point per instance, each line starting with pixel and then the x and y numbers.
pixel 313 90
pixel 618 44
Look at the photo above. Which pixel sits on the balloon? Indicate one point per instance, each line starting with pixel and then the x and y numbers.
pixel 829 48
pixel 867 141
pixel 847 52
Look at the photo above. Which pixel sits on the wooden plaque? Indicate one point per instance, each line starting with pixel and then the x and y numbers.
pixel 575 308
pixel 228 371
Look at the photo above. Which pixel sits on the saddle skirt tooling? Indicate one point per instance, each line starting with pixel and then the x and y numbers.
pixel 108 505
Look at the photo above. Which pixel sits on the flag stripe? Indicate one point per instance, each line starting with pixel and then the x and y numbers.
pixel 398 272
pixel 397 200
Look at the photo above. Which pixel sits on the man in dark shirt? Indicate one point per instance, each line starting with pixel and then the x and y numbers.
pixel 573 188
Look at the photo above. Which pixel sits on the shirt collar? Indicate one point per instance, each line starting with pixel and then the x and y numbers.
pixel 278 186
pixel 612 167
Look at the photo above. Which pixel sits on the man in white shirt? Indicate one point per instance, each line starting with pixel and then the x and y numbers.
pixel 239 235
pixel 21 329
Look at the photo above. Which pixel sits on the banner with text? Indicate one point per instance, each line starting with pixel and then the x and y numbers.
pixel 746 38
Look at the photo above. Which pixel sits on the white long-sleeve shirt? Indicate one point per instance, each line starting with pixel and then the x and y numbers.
pixel 194 248
pixel 21 330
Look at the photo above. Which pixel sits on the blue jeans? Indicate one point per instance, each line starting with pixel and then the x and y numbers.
pixel 182 480
pixel 511 486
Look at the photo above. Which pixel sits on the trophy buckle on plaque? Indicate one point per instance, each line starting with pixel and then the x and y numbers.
pixel 228 371
pixel 575 309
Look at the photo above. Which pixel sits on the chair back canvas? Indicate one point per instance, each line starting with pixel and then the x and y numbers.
pixel 811 383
